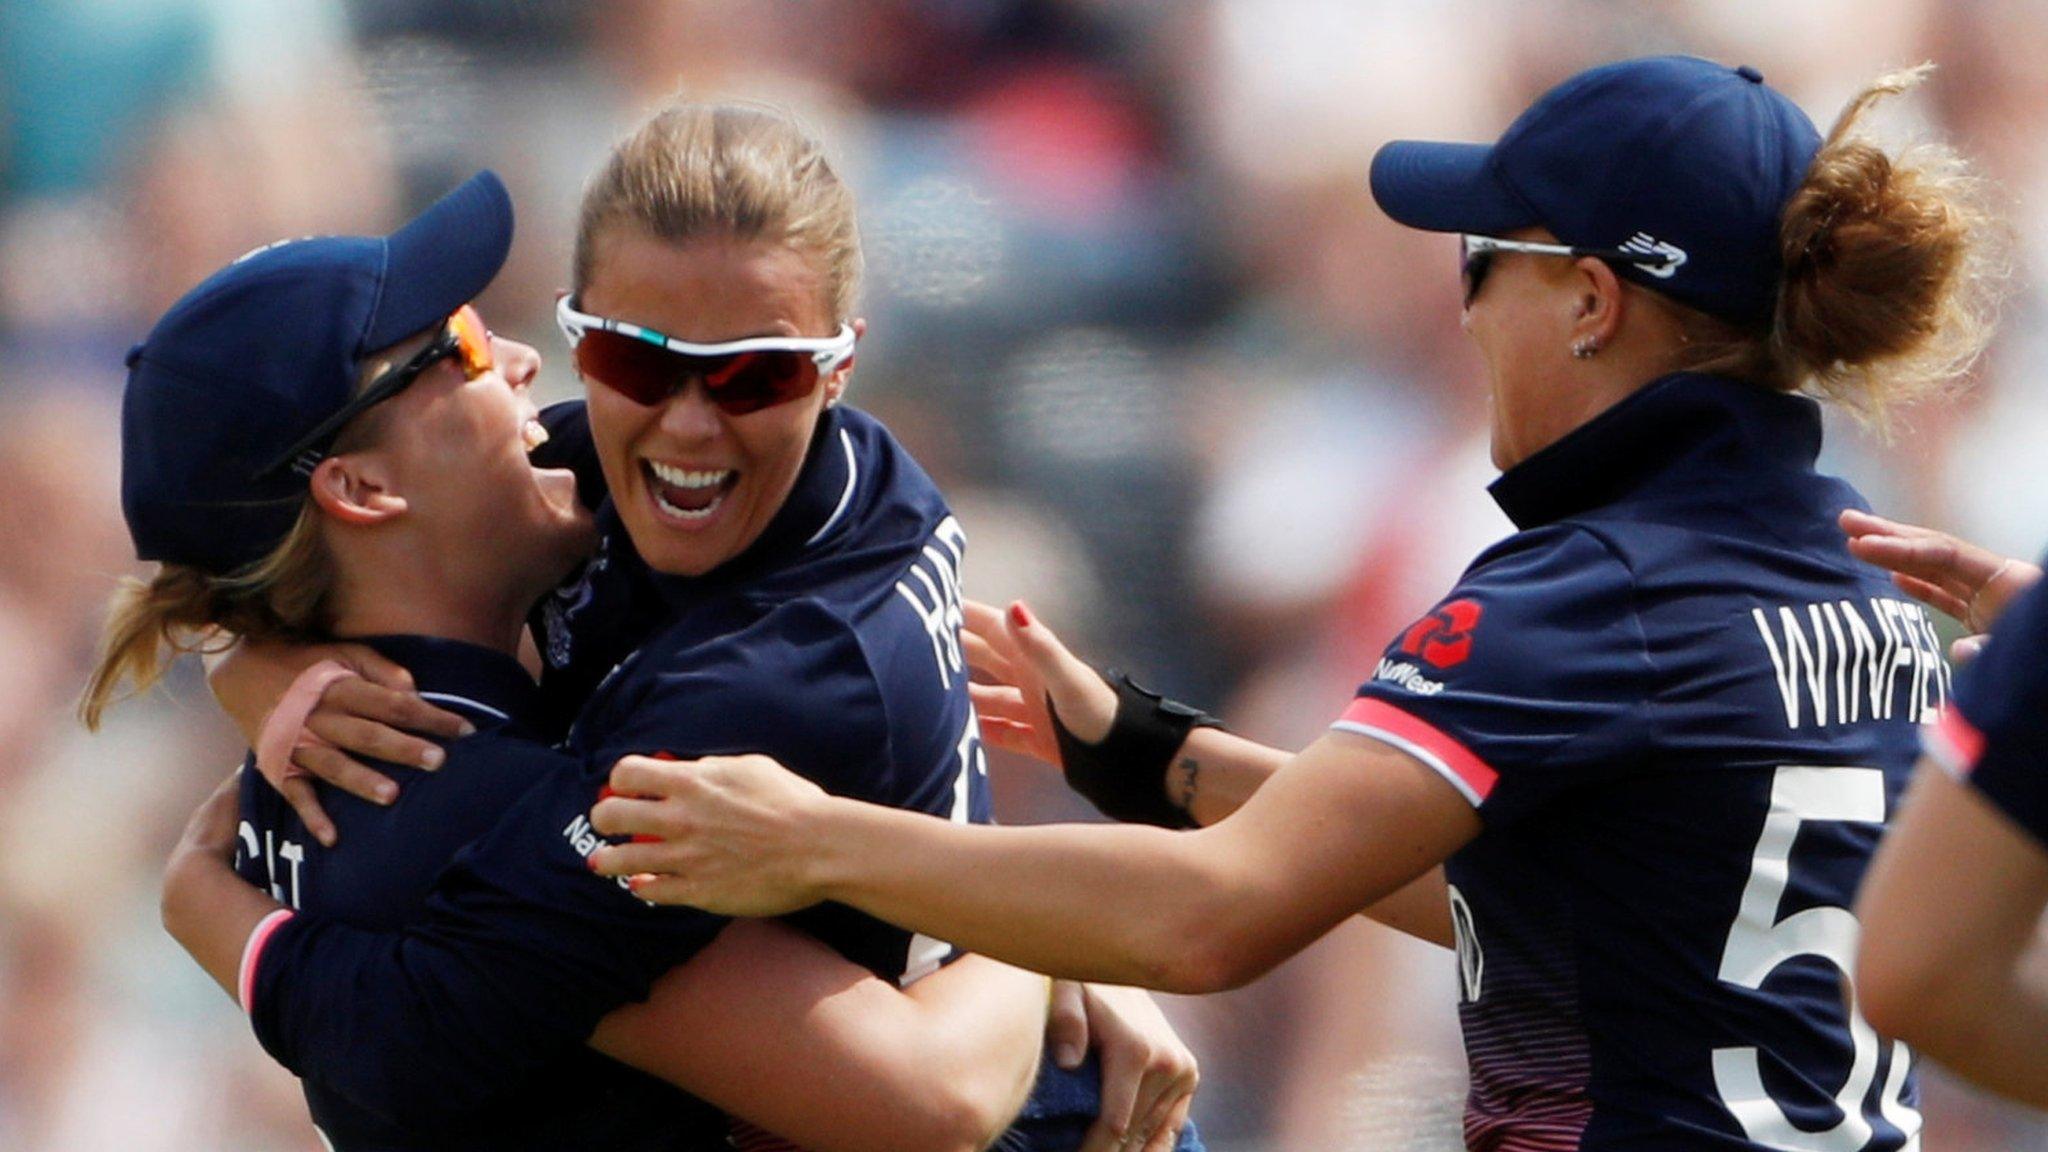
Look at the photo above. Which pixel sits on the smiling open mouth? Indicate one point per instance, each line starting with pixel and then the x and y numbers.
pixel 688 494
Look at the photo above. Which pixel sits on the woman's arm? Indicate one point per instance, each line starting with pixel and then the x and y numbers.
pixel 945 1065
pixel 1948 959
pixel 1348 823
pixel 209 910
pixel 1026 671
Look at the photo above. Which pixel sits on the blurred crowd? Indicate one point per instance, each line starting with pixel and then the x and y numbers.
pixel 1128 299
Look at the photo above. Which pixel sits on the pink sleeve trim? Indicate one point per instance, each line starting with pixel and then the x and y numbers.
pixel 252 955
pixel 1953 742
pixel 1380 720
pixel 285 729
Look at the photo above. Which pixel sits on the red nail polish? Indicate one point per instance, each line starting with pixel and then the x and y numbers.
pixel 1020 615
pixel 646 838
pixel 590 862
pixel 606 793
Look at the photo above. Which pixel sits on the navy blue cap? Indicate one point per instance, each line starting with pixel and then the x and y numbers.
pixel 1667 154
pixel 265 349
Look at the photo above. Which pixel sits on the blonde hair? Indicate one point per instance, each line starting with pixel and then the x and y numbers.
pixel 744 170
pixel 1893 272
pixel 285 595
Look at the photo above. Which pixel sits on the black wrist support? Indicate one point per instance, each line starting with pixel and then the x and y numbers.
pixel 1124 774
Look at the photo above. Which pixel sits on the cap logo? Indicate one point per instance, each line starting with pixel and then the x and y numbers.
pixel 1672 256
pixel 261 249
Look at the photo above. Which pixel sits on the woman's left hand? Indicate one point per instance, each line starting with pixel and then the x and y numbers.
pixel 1148 1074
pixel 1945 572
pixel 723 833
pixel 1023 669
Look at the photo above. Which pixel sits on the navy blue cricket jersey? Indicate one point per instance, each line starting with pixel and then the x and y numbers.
pixel 606 608
pixel 1683 713
pixel 378 877
pixel 831 644
pixel 1995 733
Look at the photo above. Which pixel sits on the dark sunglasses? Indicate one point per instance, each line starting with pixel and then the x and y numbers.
pixel 740 376
pixel 464 338
pixel 1476 253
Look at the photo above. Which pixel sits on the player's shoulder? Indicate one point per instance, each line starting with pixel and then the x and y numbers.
pixel 1548 610
pixel 1568 562
pixel 792 673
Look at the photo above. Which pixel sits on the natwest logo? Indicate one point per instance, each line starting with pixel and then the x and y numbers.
pixel 1444 637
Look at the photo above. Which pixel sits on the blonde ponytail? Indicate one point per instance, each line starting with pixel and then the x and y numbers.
pixel 285 595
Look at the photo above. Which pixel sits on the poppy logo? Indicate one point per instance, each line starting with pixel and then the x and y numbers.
pixel 1444 637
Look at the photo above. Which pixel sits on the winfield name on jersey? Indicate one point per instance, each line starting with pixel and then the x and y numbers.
pixel 1836 663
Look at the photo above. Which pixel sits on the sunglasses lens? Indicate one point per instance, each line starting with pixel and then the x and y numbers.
pixel 751 381
pixel 740 383
pixel 635 369
pixel 472 341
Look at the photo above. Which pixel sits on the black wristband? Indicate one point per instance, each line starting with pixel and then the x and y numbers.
pixel 1124 773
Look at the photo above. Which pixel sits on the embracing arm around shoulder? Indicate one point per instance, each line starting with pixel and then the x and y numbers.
pixel 1348 822
pixel 1947 960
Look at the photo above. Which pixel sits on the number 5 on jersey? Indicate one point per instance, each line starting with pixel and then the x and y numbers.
pixel 1759 942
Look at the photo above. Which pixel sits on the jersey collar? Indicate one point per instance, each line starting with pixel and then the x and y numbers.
pixel 1674 427
pixel 483 684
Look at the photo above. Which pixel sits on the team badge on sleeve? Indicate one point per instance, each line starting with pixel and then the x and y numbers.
pixel 1444 637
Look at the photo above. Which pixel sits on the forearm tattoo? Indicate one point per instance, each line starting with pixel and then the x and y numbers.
pixel 1181 787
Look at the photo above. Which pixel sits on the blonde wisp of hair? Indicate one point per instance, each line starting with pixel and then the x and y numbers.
pixel 741 170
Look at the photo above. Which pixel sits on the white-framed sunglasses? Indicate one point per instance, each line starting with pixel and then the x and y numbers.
pixel 740 376
pixel 1475 257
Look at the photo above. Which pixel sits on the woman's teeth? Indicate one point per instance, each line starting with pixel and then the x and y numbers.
pixel 534 433
pixel 687 493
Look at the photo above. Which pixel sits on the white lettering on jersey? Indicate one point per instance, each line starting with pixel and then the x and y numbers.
pixel 1834 664
pixel 271 849
pixel 583 840
pixel 1471 957
pixel 933 591
pixel 1407 676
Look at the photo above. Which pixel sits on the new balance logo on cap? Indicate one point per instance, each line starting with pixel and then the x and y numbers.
pixel 1671 255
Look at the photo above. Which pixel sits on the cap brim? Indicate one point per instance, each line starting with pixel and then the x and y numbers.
pixel 443 259
pixel 1445 188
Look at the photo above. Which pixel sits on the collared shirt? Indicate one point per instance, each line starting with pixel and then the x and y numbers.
pixel 378 877
pixel 1683 712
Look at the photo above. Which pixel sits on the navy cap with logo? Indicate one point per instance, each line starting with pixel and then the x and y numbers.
pixel 1668 155
pixel 261 352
